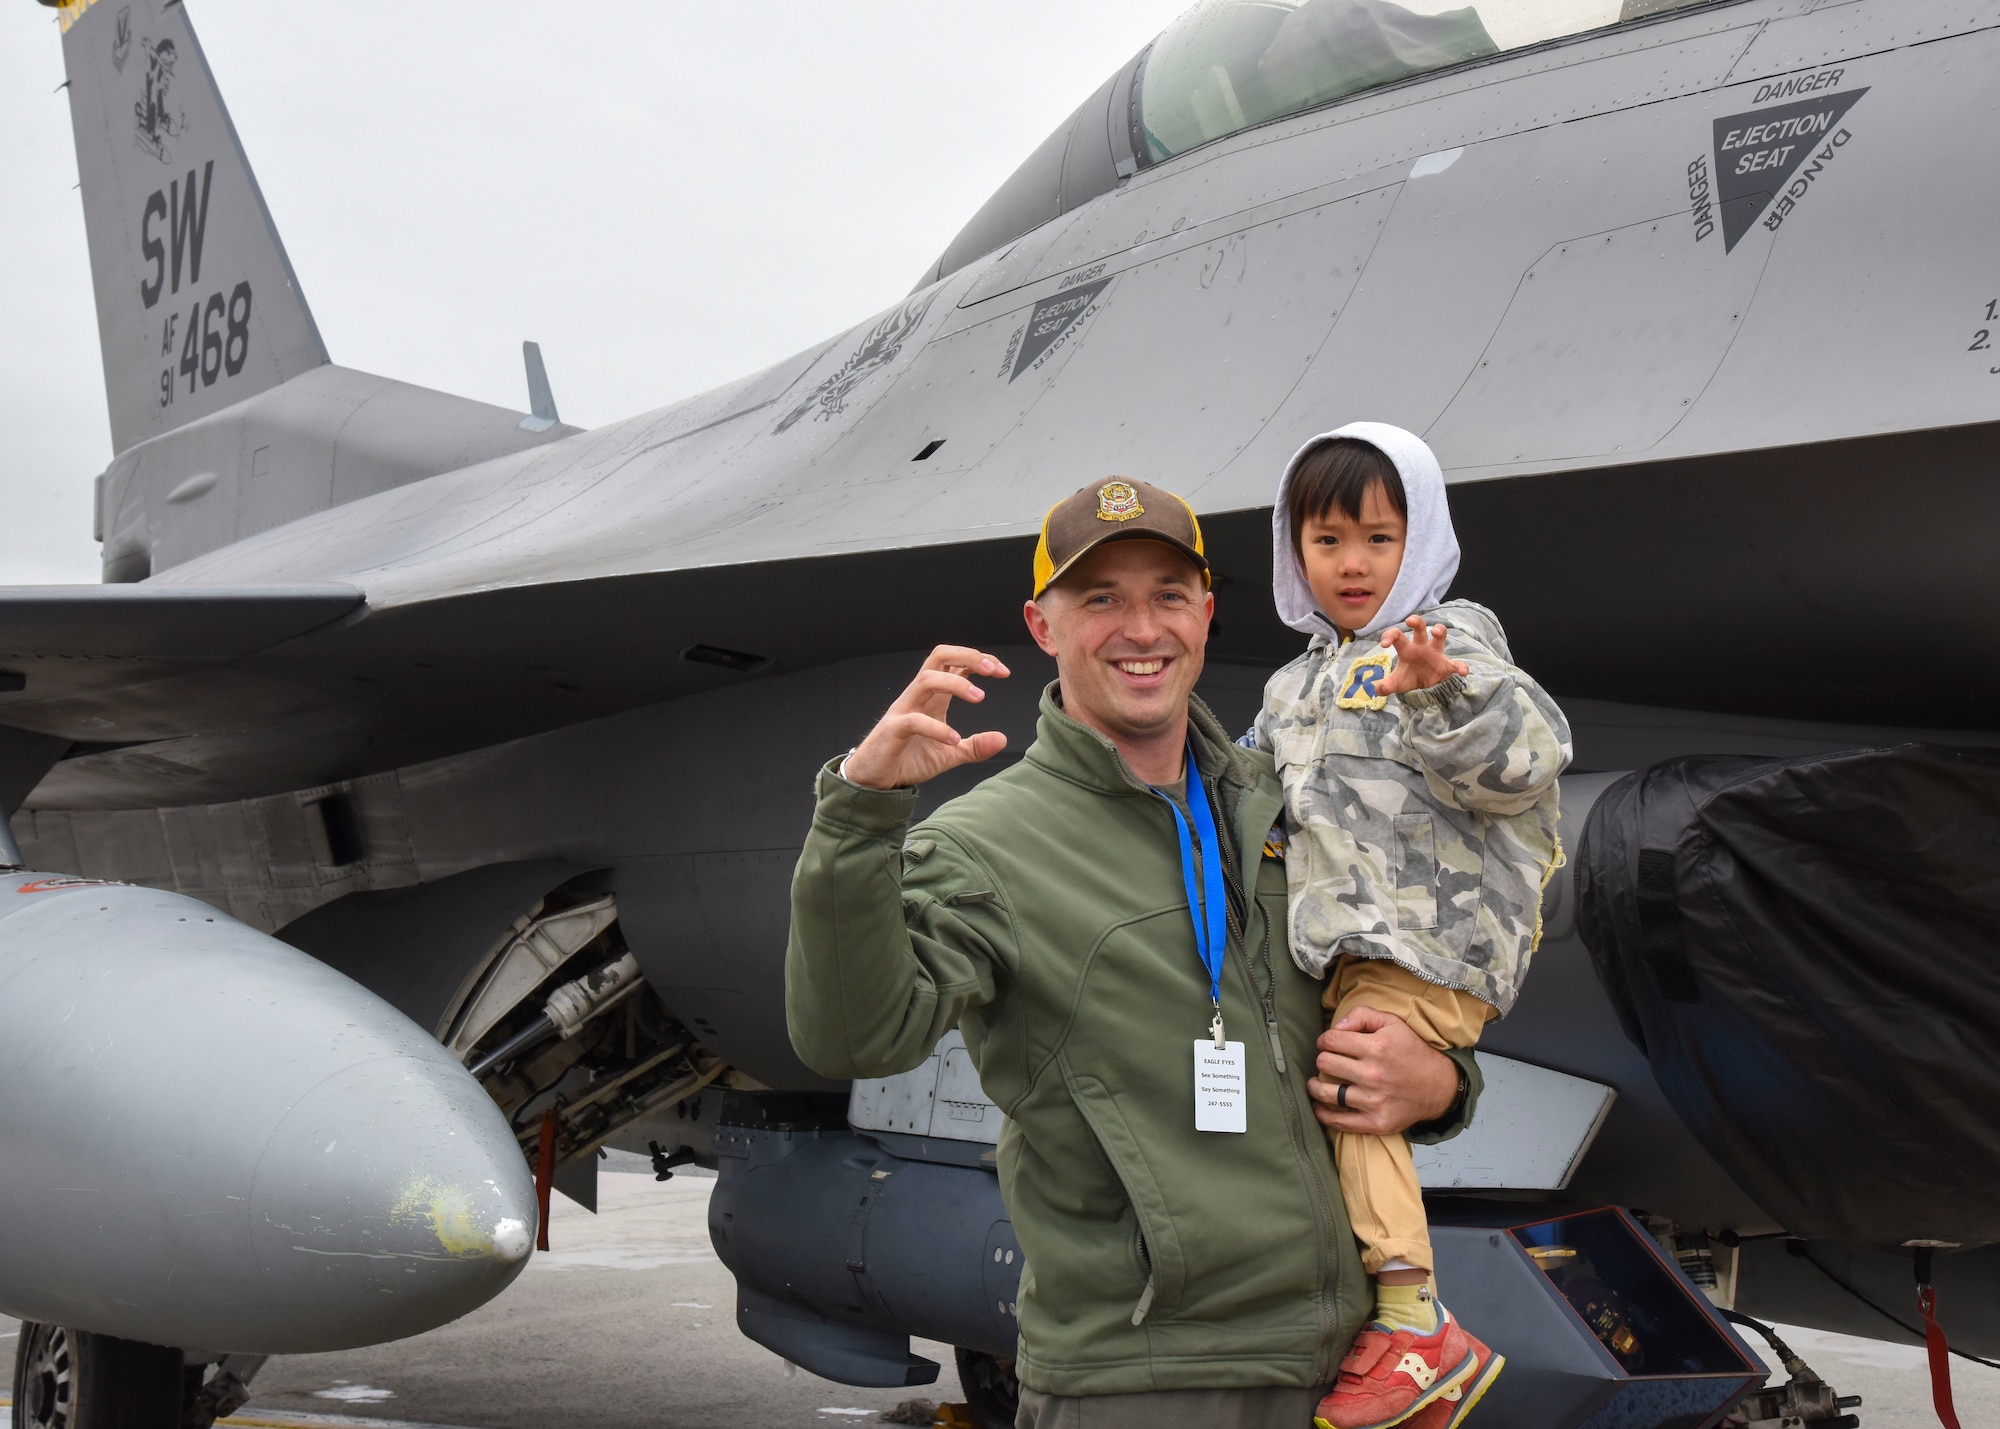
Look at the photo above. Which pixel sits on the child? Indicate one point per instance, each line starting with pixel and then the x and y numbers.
pixel 1419 767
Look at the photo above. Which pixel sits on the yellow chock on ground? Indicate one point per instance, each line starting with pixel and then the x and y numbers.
pixel 953 1416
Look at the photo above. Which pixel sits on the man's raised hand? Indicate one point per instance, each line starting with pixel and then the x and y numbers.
pixel 1420 658
pixel 912 742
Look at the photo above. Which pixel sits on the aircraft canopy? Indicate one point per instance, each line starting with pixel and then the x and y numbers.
pixel 1226 65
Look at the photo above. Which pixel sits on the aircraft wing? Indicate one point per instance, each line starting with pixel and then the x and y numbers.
pixel 176 695
pixel 167 695
pixel 148 622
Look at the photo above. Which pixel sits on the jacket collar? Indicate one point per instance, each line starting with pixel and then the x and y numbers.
pixel 1074 751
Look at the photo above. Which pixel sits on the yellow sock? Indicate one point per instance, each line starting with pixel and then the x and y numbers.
pixel 1407 1307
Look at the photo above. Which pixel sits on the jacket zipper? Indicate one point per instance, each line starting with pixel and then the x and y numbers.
pixel 1329 1314
pixel 1145 1296
pixel 1271 999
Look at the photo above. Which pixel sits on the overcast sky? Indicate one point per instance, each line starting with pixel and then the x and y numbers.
pixel 664 195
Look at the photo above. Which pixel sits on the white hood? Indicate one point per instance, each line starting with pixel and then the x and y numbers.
pixel 1430 554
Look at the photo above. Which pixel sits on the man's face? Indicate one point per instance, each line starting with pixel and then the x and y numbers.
pixel 1127 625
pixel 1351 562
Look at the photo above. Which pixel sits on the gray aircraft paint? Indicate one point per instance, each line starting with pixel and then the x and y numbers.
pixel 1515 258
pixel 1254 190
pixel 185 244
pixel 1591 331
pixel 199 313
pixel 333 1178
pixel 327 437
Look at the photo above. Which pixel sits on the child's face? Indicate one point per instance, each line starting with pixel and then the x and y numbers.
pixel 1351 563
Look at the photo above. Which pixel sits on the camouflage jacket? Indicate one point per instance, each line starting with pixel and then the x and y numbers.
pixel 1419 827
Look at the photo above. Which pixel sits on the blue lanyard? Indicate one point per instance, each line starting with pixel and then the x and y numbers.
pixel 1206 906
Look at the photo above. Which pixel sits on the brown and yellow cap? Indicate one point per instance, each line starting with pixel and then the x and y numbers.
pixel 1116 510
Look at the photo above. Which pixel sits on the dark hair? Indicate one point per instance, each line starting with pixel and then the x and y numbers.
pixel 1339 473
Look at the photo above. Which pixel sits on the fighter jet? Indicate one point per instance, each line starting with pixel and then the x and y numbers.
pixel 453 761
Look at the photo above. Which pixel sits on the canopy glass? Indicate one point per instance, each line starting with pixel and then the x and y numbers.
pixel 1226 65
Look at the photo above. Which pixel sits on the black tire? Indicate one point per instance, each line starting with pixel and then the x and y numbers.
pixel 991 1391
pixel 69 1379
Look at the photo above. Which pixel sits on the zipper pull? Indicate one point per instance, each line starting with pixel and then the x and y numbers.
pixel 1145 1304
pixel 1276 1050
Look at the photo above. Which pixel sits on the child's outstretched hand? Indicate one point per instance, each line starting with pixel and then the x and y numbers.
pixel 1420 658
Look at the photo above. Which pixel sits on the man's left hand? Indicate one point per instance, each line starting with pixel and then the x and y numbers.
pixel 1395 1080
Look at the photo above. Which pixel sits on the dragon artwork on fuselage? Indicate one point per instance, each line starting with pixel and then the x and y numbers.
pixel 877 350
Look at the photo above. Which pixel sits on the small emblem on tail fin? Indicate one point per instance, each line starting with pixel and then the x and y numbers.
pixel 121 39
pixel 156 123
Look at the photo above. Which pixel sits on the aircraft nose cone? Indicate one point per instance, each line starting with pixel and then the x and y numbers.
pixel 211 1139
pixel 391 1198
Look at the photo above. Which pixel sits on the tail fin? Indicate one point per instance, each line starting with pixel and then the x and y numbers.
pixel 197 307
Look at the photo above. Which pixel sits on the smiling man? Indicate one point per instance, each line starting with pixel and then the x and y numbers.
pixel 1106 922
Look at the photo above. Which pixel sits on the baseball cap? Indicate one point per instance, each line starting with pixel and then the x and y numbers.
pixel 1116 510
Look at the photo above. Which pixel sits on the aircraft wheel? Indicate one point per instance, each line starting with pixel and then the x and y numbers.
pixel 69 1379
pixel 991 1391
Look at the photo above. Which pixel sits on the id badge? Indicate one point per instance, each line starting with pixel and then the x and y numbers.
pixel 1221 1087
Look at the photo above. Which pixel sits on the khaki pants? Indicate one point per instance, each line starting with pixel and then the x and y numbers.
pixel 1385 1205
pixel 1268 1408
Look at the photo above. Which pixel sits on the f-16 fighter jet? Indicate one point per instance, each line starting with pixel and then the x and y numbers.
pixel 410 812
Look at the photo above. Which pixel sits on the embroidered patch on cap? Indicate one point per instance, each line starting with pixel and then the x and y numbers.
pixel 1117 501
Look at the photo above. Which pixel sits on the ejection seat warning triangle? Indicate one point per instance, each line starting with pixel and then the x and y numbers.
pixel 1755 153
pixel 1053 320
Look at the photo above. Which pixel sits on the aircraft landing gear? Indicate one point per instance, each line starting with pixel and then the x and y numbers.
pixel 991 1391
pixel 67 1379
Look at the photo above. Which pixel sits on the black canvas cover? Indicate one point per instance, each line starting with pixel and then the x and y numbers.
pixel 1808 951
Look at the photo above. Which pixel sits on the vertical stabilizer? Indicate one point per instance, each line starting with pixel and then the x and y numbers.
pixel 197 307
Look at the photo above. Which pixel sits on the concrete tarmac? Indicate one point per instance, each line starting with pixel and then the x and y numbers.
pixel 628 1323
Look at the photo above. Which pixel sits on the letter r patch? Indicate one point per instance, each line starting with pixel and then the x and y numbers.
pixel 1357 686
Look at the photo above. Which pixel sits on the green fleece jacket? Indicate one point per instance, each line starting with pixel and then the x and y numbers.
pixel 1044 914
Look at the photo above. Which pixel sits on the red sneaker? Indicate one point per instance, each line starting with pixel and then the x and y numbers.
pixel 1449 1410
pixel 1391 1374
